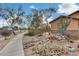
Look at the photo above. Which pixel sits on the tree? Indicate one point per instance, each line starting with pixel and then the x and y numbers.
pixel 36 18
pixel 47 13
pixel 34 21
pixel 12 15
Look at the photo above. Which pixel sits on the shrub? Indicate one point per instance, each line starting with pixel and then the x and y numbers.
pixel 39 30
pixel 6 33
pixel 30 32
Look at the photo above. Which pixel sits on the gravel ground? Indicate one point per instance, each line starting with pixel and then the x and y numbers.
pixel 34 44
pixel 3 42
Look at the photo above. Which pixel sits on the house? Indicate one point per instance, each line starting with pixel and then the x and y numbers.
pixel 73 25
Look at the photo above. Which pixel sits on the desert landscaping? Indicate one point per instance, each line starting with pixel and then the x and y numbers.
pixel 43 46
pixel 38 31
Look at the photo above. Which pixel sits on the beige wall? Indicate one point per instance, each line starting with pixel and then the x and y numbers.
pixel 54 25
pixel 73 25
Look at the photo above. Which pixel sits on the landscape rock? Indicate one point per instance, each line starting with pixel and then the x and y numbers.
pixel 58 36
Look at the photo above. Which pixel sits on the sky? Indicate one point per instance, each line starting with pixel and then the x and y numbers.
pixel 61 8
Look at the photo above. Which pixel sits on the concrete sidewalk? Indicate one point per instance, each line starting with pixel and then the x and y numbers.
pixel 14 47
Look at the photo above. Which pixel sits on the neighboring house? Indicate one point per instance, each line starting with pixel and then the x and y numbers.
pixel 74 24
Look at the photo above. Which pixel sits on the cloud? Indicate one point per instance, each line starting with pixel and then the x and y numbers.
pixel 49 19
pixel 32 7
pixel 67 8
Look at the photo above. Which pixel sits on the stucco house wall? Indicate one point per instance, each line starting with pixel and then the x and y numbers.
pixel 74 24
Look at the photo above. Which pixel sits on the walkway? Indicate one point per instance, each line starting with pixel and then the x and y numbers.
pixel 14 47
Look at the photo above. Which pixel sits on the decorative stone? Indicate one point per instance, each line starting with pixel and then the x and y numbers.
pixel 71 41
pixel 71 49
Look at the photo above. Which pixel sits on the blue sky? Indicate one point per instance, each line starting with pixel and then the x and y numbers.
pixel 61 8
pixel 27 5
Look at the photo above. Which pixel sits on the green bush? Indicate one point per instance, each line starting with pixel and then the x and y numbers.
pixel 30 33
pixel 40 30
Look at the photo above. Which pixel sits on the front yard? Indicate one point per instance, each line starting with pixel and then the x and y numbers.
pixel 56 46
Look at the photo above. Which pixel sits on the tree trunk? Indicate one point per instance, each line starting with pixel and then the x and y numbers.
pixel 11 27
pixel 48 29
